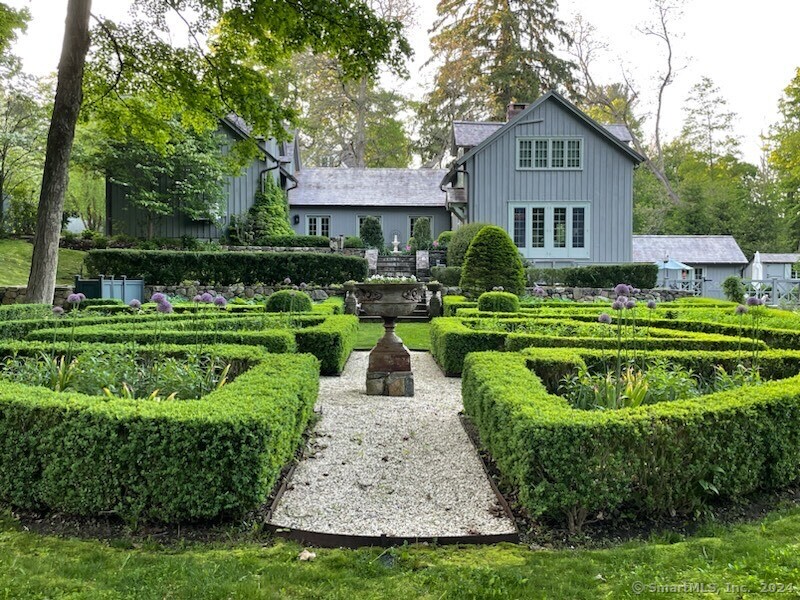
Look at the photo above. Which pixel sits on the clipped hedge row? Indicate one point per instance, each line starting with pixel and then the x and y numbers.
pixel 452 340
pixel 210 458
pixel 451 304
pixel 330 338
pixel 225 268
pixel 659 458
pixel 294 241
pixel 643 276
pixel 15 312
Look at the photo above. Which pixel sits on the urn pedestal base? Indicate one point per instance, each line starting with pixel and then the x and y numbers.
pixel 389 372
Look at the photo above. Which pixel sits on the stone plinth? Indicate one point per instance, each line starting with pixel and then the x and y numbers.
pixel 400 383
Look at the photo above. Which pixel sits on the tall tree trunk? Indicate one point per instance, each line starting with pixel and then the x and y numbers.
pixel 360 134
pixel 42 280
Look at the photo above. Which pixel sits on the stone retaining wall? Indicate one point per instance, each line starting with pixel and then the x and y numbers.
pixel 239 290
pixel 16 294
pixel 592 294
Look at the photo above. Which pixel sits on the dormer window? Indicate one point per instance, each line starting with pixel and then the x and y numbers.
pixel 537 153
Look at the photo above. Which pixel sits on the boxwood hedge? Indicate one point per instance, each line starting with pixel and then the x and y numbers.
pixel 660 458
pixel 209 458
pixel 166 267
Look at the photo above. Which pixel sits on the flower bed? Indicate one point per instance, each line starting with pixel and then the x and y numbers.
pixel 181 460
pixel 660 458
pixel 330 338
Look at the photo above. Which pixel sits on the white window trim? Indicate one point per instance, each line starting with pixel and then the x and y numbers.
pixel 309 217
pixel 550 251
pixel 549 153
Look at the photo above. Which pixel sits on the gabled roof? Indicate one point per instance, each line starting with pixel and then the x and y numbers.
pixel 368 187
pixel 467 134
pixel 588 121
pixel 690 249
pixel 785 258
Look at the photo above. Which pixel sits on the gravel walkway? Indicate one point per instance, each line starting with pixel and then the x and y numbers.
pixel 401 467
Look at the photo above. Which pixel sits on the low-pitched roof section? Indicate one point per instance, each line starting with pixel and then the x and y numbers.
pixel 689 249
pixel 325 186
pixel 781 258
pixel 468 134
pixel 602 131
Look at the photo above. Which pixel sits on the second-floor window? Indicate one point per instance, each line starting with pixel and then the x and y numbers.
pixel 534 153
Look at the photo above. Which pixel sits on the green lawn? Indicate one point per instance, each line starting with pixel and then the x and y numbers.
pixel 36 566
pixel 15 256
pixel 416 336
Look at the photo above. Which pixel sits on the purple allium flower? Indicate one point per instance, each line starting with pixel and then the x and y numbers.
pixel 604 318
pixel 741 309
pixel 164 307
pixel 220 301
pixel 435 243
pixel 635 291
pixel 753 301
pixel 74 298
pixel 135 304
pixel 82 296
pixel 287 281
pixel 621 289
pixel 158 298
pixel 206 297
pixel 651 304
pixel 622 299
pixel 303 286
pixel 408 248
pixel 617 305
pixel 539 291
pixel 630 304
pixel 764 299
pixel 197 298
pixel 58 311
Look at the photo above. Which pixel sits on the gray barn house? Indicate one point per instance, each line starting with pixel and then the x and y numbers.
pixel 334 201
pixel 558 182
pixel 277 159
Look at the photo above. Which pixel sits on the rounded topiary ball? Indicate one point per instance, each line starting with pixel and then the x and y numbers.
pixel 498 302
pixel 289 301
pixel 492 261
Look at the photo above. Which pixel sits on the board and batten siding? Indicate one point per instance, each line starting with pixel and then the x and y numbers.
pixel 344 219
pixel 127 218
pixel 605 182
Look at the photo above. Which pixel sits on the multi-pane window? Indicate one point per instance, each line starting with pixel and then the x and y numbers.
pixel 318 225
pixel 361 220
pixel 537 227
pixel 525 154
pixel 560 227
pixel 557 161
pixel 578 227
pixel 540 154
pixel 698 274
pixel 550 229
pixel 549 153
pixel 573 154
pixel 519 227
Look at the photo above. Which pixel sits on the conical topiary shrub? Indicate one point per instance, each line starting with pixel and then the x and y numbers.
pixel 492 261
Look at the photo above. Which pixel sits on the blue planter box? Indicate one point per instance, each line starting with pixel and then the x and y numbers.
pixel 122 289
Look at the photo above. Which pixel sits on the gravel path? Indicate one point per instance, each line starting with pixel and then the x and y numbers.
pixel 403 467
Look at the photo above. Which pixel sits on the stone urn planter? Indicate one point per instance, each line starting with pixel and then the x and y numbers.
pixel 389 372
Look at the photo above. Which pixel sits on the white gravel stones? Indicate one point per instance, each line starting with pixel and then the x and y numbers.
pixel 401 467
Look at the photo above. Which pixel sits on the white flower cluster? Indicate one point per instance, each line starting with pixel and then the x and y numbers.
pixel 382 279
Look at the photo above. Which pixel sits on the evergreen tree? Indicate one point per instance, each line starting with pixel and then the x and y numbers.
pixel 490 53
pixel 372 233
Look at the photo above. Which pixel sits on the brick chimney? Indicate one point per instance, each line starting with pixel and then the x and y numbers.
pixel 514 108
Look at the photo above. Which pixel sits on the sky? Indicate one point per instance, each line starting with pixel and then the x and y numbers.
pixel 749 49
